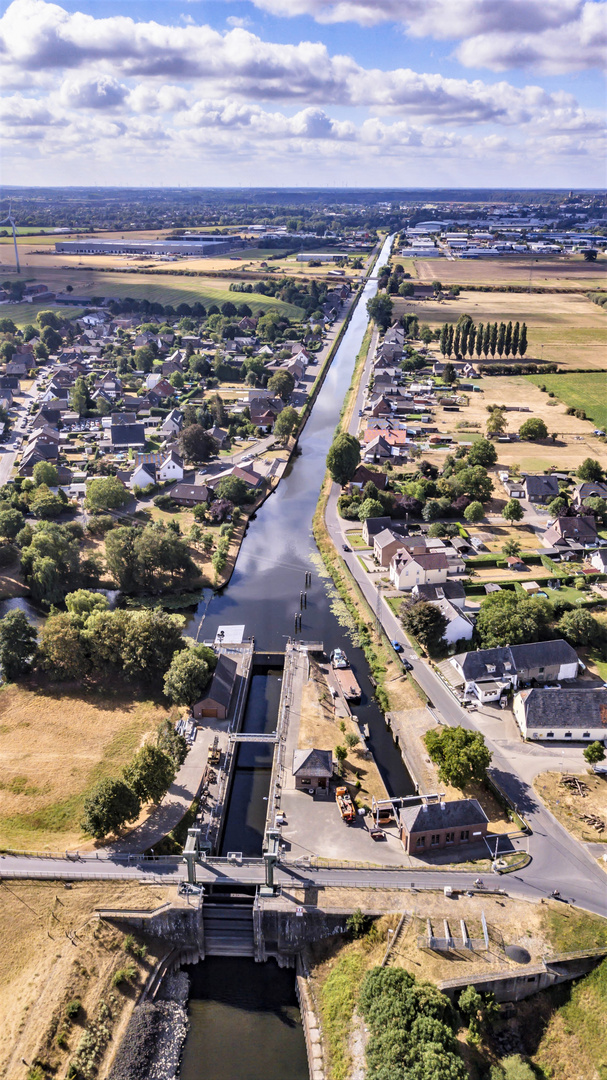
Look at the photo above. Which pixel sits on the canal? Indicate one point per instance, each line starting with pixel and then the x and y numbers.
pixel 263 592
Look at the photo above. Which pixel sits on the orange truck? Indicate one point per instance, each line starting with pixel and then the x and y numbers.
pixel 345 804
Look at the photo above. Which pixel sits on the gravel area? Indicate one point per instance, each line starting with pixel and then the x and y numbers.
pixel 152 1045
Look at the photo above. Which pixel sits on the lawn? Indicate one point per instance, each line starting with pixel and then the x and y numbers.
pixel 587 392
pixel 54 746
pixel 22 314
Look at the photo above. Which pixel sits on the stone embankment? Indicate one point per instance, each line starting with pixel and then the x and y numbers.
pixel 151 1048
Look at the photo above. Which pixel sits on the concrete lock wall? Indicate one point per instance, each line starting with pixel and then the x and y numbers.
pixel 283 934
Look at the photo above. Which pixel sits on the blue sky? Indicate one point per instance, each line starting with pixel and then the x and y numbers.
pixel 304 92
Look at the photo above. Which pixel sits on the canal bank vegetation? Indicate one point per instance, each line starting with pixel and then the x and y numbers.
pixel 361 1009
pixel 62 1012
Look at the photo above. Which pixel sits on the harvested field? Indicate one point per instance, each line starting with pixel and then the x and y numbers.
pixel 568 806
pixel 522 534
pixel 582 391
pixel 54 746
pixel 52 951
pixel 571 329
pixel 542 271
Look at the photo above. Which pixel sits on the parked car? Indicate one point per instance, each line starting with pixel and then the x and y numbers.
pixel 346 548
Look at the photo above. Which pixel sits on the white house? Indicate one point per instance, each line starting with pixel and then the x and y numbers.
pixel 171 468
pixel 407 570
pixel 488 673
pixel 459 626
pixel 172 423
pixel 562 714
pixel 599 561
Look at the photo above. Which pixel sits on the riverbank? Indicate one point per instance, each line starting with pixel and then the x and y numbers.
pixel 153 1042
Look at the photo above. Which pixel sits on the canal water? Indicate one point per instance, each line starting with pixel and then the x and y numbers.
pixel 244 1023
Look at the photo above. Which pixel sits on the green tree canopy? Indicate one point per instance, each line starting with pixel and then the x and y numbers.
pixel 513 510
pixel 106 493
pixel 63 652
pixel 425 622
pixel 150 773
pixel 150 642
pixel 18 645
pixel 482 453
pixel 286 423
pixel 174 745
pixel 496 422
pixel 370 508
pixel 461 755
pixel 45 505
pixel 109 806
pixel 591 470
pixel 474 512
pixel 196 444
pixel 83 602
pixel 11 523
pixel 343 458
pixel 594 752
pixel 579 627
pixel 533 429
pixel 186 678
pixel 506 618
pixel 234 489
pixel 282 383
pixel 45 472
pixel 380 308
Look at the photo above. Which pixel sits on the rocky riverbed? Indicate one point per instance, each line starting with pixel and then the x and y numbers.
pixel 152 1045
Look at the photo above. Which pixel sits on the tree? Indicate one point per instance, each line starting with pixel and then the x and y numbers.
pixel 449 374
pixel 11 523
pixel 106 493
pixel 506 618
pixel 18 644
pixel 522 344
pixel 511 548
pixel 437 286
pixel 533 429
pixel 493 339
pixel 150 642
pixel 508 339
pixel 370 508
pixel 45 473
pixel 380 308
pixel 425 622
pixel 580 627
pixel 557 506
pixel 83 603
pixel 234 489
pixel 150 773
pixel 79 397
pixel 111 804
pixel 174 745
pixel 590 254
pixel 343 458
pixel 486 340
pixel 51 562
pixel 474 512
pixel 475 482
pixel 513 510
pixel 515 338
pixel 63 652
pixel 594 752
pixel 591 470
pixel 501 339
pixel 286 423
pixel 51 338
pixel 196 444
pixel 282 383
pixel 496 422
pixel 341 753
pixel 351 740
pixel 461 755
pixel 45 505
pixel 177 380
pixel 186 678
pixel 482 453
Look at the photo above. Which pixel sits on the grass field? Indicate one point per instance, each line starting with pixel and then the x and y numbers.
pixel 559 271
pixel 54 746
pixel 566 328
pixel 22 314
pixel 164 289
pixel 587 392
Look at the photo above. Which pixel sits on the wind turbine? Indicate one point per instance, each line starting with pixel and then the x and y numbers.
pixel 9 220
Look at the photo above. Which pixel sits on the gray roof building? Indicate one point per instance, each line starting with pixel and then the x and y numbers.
pixel 545 708
pixel 458 814
pixel 509 661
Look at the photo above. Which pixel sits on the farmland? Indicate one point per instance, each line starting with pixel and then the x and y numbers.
pixel 587 392
pixel 557 271
pixel 567 329
pixel 54 746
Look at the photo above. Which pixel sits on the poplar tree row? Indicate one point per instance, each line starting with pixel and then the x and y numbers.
pixel 466 338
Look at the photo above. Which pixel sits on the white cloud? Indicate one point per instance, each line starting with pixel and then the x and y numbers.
pixel 98 92
pixel 548 35
pixel 236 20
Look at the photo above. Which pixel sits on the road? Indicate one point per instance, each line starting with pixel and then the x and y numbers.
pixel 557 859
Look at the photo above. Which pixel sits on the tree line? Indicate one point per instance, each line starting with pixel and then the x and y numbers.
pixel 505 339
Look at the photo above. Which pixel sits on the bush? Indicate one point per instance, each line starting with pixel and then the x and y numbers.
pixel 73 1008
pixel 127 974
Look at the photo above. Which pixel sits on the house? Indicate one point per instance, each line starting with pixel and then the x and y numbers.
pixel 432 826
pixel 264 410
pixel 172 423
pixel 515 489
pixel 407 570
pixel 385 545
pixel 589 490
pixel 567 530
pixel 574 715
pixel 216 701
pixel 190 494
pixel 514 562
pixel 459 626
pixel 598 560
pixel 487 673
pixel 111 386
pixel 161 466
pixel 313 770
pixel 453 591
pixel 142 475
pixel 541 489
pixel 364 476
pixel 221 436
pixel 372 526
pixel 160 393
pixel 377 451
pixel 125 435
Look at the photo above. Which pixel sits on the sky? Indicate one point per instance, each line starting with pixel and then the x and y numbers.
pixel 314 93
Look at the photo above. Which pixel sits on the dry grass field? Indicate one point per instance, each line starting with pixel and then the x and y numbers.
pixel 541 271
pixel 568 806
pixel 53 950
pixel 567 329
pixel 54 746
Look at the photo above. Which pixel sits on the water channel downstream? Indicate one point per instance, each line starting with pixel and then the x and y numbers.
pixel 243 1019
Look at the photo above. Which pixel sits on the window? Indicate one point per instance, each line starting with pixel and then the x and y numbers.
pixel 464 835
pixel 550 734
pixel 540 669
pixel 450 838
pixel 421 842
pixel 568 735
pixel 586 735
pixel 435 841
